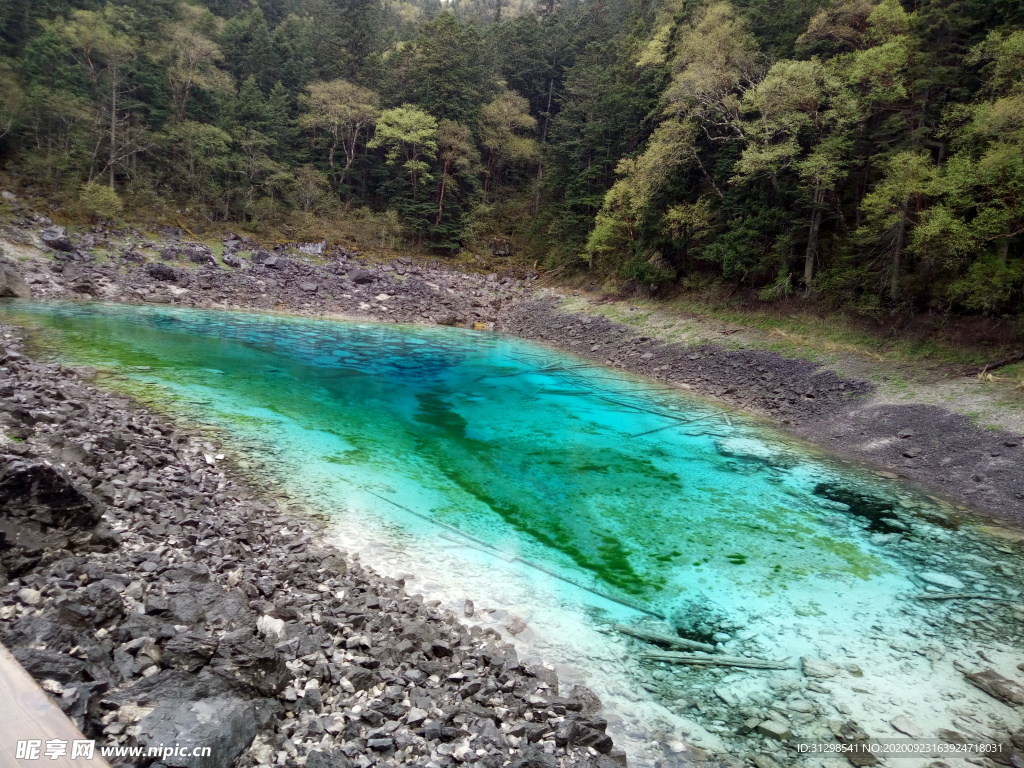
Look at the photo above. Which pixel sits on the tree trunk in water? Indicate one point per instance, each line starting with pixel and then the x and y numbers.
pixel 811 256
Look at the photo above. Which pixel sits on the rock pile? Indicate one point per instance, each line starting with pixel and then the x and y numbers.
pixel 286 279
pixel 160 603
pixel 756 378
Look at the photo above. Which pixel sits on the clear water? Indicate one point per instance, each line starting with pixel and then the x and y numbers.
pixel 517 475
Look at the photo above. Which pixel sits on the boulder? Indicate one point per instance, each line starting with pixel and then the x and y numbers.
pixel 162 272
pixel 250 664
pixel 361 276
pixel 232 261
pixel 12 284
pixel 221 720
pixel 198 253
pixel 57 238
pixel 45 495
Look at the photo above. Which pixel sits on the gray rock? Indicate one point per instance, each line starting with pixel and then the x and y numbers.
pixel 56 237
pixel 941 579
pixel 12 284
pixel 818 668
pixel 773 729
pixel 198 253
pixel 226 724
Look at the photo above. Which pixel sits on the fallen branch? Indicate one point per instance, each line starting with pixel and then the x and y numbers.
pixel 1014 358
pixel 704 660
pixel 655 637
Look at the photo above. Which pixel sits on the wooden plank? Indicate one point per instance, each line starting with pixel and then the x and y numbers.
pixel 29 714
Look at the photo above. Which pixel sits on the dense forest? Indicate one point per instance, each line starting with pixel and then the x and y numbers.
pixel 868 153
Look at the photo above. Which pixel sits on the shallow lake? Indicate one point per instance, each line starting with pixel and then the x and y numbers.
pixel 561 497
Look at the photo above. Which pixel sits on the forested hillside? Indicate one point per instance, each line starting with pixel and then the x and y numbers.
pixel 865 152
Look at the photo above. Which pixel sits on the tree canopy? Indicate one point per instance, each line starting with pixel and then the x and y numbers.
pixel 868 153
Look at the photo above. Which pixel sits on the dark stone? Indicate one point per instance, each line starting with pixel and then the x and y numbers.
pixel 198 253
pixel 231 260
pixel 193 711
pixel 45 664
pixel 47 496
pixel 576 733
pixel 162 272
pixel 533 756
pixel 361 276
pixel 361 678
pixel 189 651
pixel 251 664
pixel 57 238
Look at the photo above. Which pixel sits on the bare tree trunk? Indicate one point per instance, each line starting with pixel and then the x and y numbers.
pixel 811 256
pixel 113 124
pixel 536 195
pixel 440 198
pixel 543 141
pixel 897 252
pixel 1003 248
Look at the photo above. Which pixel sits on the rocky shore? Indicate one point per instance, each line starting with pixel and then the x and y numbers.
pixel 123 266
pixel 160 603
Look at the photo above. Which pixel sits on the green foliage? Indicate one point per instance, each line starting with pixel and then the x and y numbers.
pixel 868 152
pixel 649 271
pixel 97 202
pixel 990 285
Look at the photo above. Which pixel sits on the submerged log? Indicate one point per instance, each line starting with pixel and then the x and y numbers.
pixel 655 637
pixel 995 685
pixel 955 596
pixel 705 660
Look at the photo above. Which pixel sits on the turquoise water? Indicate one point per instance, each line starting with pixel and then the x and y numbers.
pixel 637 492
